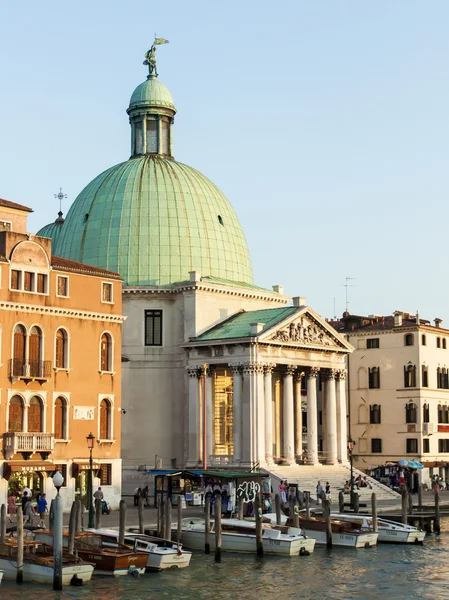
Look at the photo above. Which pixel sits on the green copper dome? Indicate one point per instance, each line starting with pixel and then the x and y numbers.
pixel 153 220
pixel 150 218
pixel 52 230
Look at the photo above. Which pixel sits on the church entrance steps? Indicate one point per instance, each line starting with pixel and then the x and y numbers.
pixel 307 476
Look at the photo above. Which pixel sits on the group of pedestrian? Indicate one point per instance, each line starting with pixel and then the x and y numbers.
pixel 29 509
pixel 141 493
pixel 320 490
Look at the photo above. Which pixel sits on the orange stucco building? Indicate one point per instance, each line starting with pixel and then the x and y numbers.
pixel 60 365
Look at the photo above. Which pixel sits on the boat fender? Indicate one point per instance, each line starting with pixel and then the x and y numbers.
pixel 366 544
pixel 304 552
pixel 133 571
pixel 76 581
pixel 419 542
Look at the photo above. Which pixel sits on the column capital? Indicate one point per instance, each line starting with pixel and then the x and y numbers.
pixel 251 368
pixel 193 372
pixel 289 370
pixel 299 375
pixel 312 372
pixel 341 374
pixel 330 374
pixel 236 368
pixel 268 368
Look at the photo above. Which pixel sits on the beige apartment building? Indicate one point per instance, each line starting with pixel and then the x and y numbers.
pixel 398 390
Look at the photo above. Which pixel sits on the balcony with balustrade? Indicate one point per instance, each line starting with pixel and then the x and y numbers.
pixel 29 370
pixel 27 444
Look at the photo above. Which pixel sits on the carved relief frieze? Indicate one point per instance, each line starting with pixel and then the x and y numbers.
pixel 304 331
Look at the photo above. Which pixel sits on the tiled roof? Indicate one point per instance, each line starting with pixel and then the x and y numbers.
pixel 358 324
pixel 239 325
pixel 71 265
pixel 8 204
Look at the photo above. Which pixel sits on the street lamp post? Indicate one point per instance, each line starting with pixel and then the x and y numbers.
pixel 58 480
pixel 351 445
pixel 90 505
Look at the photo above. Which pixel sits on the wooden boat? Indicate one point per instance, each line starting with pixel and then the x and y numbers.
pixel 240 536
pixel 344 533
pixel 389 531
pixel 161 554
pixel 38 563
pixel 107 560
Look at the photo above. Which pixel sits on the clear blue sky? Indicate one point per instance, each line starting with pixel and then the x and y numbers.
pixel 324 122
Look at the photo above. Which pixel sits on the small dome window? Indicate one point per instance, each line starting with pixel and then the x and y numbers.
pixel 220 220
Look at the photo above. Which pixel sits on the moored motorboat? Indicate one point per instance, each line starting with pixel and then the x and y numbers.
pixel 240 536
pixel 344 533
pixel 389 531
pixel 118 560
pixel 161 554
pixel 38 563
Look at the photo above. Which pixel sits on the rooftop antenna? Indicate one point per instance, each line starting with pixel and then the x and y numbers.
pixel 347 285
pixel 60 196
pixel 335 314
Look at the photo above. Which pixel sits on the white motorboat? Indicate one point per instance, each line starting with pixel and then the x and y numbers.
pixel 240 536
pixel 344 534
pixel 162 554
pixel 38 563
pixel 389 531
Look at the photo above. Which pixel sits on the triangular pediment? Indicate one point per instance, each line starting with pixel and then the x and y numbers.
pixel 306 329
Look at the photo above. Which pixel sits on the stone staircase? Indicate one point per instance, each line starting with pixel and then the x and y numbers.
pixel 307 476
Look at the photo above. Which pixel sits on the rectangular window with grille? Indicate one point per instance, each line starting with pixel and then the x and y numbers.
pixel 15 280
pixel 106 474
pixel 106 293
pixel 412 446
pixel 376 445
pixel 41 283
pixel 63 286
pixel 426 446
pixel 374 378
pixel 153 328
pixel 443 445
pixel 372 343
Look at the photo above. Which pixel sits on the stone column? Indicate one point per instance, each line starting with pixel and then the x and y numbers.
pixel 159 134
pixel 209 416
pixel 250 414
pixel 331 417
pixel 298 415
pixel 25 417
pixel 289 417
pixel 342 427
pixel 194 430
pixel 144 135
pixel 312 417
pixel 260 415
pixel 237 411
pixel 268 394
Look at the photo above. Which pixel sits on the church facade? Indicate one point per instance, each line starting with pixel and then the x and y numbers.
pixel 215 370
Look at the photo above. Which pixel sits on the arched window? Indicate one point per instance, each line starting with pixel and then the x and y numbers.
pixel 424 376
pixel 35 352
pixel 61 350
pixel 440 413
pixel 105 420
pixel 444 343
pixel 19 351
pixel 410 376
pixel 374 378
pixel 374 414
pixel 443 413
pixel 363 414
pixel 106 352
pixel 408 339
pixel 425 413
pixel 423 339
pixel 60 419
pixel 15 419
pixel 439 378
pixel 35 415
pixel 411 414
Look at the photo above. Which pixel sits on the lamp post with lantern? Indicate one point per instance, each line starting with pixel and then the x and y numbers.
pixel 90 505
pixel 58 480
pixel 351 445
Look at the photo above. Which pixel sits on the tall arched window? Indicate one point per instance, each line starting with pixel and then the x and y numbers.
pixel 35 352
pixel 425 413
pixel 374 414
pixel 61 350
pixel 106 352
pixel 15 419
pixel 19 351
pixel 35 415
pixel 105 420
pixel 410 376
pixel 443 413
pixel 60 419
pixel 411 414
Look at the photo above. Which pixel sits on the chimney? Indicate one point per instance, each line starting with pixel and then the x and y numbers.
pixel 195 276
pixel 256 328
pixel 397 318
pixel 437 322
pixel 279 289
pixel 299 301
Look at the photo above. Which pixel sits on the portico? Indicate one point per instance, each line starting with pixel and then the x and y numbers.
pixel 276 383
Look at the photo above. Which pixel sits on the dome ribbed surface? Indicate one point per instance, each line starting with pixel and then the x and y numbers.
pixel 153 220
pixel 52 230
pixel 151 93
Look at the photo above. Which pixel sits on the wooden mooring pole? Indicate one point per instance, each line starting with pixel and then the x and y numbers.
pixel 291 509
pixel 420 495
pixel 240 514
pixel 277 502
pixel 307 505
pixel 327 517
pixel 78 512
pixel 3 524
pixel 410 503
pixel 436 523
pixel 51 516
pixel 374 512
pixel 19 576
pixel 356 502
pixel 404 507
pixel 122 522
pixel 341 502
pixel 140 511
pixel 97 513
pixel 259 540
pixel 168 518
pixel 207 525
pixel 179 529
pixel 217 527
pixel 72 527
pixel 159 517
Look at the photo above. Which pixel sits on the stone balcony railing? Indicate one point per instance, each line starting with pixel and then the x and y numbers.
pixel 27 444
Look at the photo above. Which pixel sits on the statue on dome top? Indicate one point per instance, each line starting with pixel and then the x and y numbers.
pixel 150 56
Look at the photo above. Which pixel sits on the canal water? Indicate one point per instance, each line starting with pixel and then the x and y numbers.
pixel 389 572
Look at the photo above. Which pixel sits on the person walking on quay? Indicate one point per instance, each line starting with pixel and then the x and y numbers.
pixel 98 494
pixel 319 492
pixel 42 508
pixel 29 512
pixel 137 493
pixel 24 500
pixel 145 493
pixel 283 491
